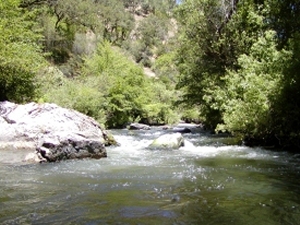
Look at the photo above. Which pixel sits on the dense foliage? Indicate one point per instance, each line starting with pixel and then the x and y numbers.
pixel 238 62
pixel 233 65
pixel 112 89
pixel 20 54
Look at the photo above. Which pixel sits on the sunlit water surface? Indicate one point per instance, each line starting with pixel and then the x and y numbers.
pixel 205 182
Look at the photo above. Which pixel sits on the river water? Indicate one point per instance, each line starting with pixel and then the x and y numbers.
pixel 208 181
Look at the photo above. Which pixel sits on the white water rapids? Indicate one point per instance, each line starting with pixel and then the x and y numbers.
pixel 205 182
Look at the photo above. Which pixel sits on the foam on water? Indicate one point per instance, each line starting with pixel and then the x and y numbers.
pixel 137 146
pixel 199 183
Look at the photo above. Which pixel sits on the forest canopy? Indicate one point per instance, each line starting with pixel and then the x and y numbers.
pixel 231 65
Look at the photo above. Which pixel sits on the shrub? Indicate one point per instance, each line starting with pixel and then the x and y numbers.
pixel 246 101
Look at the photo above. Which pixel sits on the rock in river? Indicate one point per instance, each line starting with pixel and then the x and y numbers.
pixel 53 133
pixel 139 126
pixel 168 141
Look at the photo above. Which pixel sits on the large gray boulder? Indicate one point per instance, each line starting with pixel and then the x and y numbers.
pixel 50 132
pixel 168 141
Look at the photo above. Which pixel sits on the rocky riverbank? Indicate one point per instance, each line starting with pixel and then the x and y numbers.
pixel 49 133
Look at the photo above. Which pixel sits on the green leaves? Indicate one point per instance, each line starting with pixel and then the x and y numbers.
pixel 108 79
pixel 205 51
pixel 246 103
pixel 239 65
pixel 20 55
pixel 121 82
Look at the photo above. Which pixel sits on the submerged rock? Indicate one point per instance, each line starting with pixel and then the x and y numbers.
pixel 53 133
pixel 168 141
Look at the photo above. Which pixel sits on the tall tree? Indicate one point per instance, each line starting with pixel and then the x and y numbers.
pixel 285 113
pixel 212 36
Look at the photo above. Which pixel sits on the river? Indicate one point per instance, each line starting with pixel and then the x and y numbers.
pixel 208 181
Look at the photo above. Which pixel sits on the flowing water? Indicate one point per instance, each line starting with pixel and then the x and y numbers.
pixel 208 181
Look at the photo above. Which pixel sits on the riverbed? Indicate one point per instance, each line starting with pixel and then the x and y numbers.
pixel 208 181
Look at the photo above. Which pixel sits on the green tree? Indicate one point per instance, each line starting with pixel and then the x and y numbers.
pixel 238 65
pixel 64 21
pixel 20 54
pixel 251 90
pixel 212 36
pixel 285 108
pixel 118 23
pixel 123 84
pixel 284 18
pixel 166 70
pixel 152 30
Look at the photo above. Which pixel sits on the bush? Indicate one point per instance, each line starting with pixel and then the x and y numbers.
pixel 160 107
pixel 246 101
pixel 79 94
pixel 17 84
pixel 20 55
pixel 123 84
pixel 112 89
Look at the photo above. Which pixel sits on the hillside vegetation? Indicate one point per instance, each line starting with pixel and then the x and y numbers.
pixel 233 65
